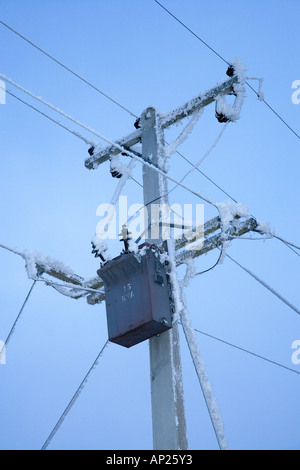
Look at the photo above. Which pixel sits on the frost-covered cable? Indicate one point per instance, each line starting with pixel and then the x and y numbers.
pixel 172 147
pixel 192 32
pixel 51 106
pixel 258 94
pixel 73 399
pixel 67 68
pixel 206 387
pixel 267 286
pixel 18 317
pixel 68 286
pixel 273 110
pixel 248 352
pixel 12 250
pixel 123 149
pixel 87 141
pixel 207 177
pixel 286 241
pixel 197 164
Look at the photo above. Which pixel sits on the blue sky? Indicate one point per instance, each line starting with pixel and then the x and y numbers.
pixel 137 54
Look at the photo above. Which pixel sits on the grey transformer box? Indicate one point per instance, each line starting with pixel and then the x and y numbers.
pixel 137 296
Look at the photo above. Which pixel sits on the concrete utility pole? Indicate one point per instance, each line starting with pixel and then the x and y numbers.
pixel 168 416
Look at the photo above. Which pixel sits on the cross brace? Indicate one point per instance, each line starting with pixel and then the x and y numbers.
pixel 236 229
pixel 166 120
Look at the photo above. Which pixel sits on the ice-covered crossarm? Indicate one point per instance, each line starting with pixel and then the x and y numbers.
pixel 229 211
pixel 234 221
pixel 198 102
pixel 76 287
pixel 100 155
pixel 264 228
pixel 38 264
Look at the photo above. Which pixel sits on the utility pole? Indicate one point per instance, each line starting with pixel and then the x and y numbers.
pixel 168 416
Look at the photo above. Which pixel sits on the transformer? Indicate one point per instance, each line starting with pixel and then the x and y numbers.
pixel 137 296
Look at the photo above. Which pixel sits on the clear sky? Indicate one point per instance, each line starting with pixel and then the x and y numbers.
pixel 137 54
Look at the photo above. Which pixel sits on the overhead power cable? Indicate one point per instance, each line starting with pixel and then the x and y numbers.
pixel 267 286
pixel 66 68
pixel 224 60
pixel 192 32
pixel 104 94
pixel 194 167
pixel 87 141
pixel 114 144
pixel 17 318
pixel 73 399
pixel 51 106
pixel 119 147
pixel 247 351
pixel 67 286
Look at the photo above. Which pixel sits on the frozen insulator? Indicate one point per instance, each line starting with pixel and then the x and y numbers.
pixel 125 237
pixel 91 150
pixel 221 117
pixel 114 172
pixel 98 254
pixel 137 124
pixel 230 71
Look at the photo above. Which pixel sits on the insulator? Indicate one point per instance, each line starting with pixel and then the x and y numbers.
pixel 221 117
pixel 115 174
pixel 230 71
pixel 137 124
pixel 97 253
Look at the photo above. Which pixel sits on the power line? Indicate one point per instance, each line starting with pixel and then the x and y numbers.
pixel 51 106
pixel 123 107
pixel 192 32
pixel 66 68
pixel 113 100
pixel 247 351
pixel 165 175
pixel 275 112
pixel 224 60
pixel 116 145
pixel 87 141
pixel 100 91
pixel 68 286
pixel 267 286
pixel 18 317
pixel 207 177
pixel 73 399
pixel 102 137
